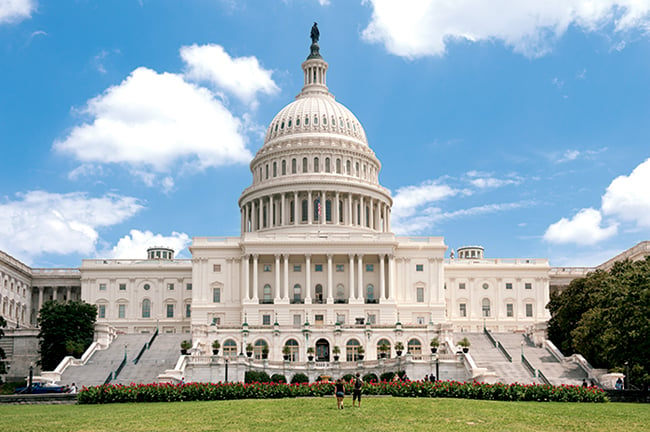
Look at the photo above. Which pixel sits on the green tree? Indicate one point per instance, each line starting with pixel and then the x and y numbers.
pixel 606 317
pixel 65 329
pixel 3 367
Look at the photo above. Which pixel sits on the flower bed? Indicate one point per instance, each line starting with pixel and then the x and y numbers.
pixel 449 389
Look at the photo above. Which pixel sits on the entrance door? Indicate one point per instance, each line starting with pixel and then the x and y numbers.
pixel 322 350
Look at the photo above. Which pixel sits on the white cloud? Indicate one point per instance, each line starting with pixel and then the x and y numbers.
pixel 241 76
pixel 39 222
pixel 569 155
pixel 627 197
pixel 416 28
pixel 151 122
pixel 16 10
pixel 583 229
pixel 135 244
pixel 409 198
pixel 482 180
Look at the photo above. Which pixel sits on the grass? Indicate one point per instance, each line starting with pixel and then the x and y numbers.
pixel 320 414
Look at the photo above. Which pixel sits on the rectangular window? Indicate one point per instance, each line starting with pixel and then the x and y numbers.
pixel 528 285
pixel 266 320
pixel 121 311
pixel 318 267
pixel 216 295
pixel 510 311
pixel 340 318
pixel 122 287
pixel 461 285
pixel 216 321
pixel 101 311
pixel 529 310
pixel 216 268
pixel 508 285
pixel 419 267
pixel 267 267
pixel 319 320
pixel 420 320
pixel 420 295
pixel 462 309
pixel 188 287
pixel 340 268
pixel 188 310
pixel 297 320
pixel 372 319
pixel 102 287
pixel 170 286
pixel 296 267
pixel 170 311
pixel 370 267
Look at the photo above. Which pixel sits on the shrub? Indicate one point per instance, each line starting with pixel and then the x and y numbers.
pixel 255 376
pixel 347 377
pixel 369 378
pixel 278 378
pixel 300 378
pixel 387 376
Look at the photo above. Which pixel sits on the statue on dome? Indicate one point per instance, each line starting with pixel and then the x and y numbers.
pixel 315 34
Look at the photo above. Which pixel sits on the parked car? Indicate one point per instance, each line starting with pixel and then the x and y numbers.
pixel 40 388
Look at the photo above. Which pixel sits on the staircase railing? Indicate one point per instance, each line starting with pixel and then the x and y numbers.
pixel 145 347
pixel 541 375
pixel 504 351
pixel 489 336
pixel 113 374
pixel 497 344
pixel 527 365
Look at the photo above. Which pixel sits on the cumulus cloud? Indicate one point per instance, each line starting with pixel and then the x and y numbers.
pixel 12 11
pixel 243 77
pixel 418 28
pixel 627 197
pixel 153 121
pixel 135 244
pixel 583 229
pixel 408 199
pixel 39 222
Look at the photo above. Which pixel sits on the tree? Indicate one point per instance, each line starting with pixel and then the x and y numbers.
pixel 3 367
pixel 605 316
pixel 65 329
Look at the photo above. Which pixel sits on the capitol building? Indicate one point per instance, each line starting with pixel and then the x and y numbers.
pixel 316 265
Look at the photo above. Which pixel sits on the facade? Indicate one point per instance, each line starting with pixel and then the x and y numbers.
pixel 316 264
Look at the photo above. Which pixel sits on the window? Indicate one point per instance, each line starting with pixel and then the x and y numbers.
pixel 266 319
pixel 284 162
pixel 230 348
pixel 529 310
pixel 340 318
pixel 486 286
pixel 146 287
pixel 101 311
pixel 188 287
pixel 267 267
pixel 170 286
pixel 304 165
pixel 170 311
pixel 348 170
pixel 275 166
pixel 510 310
pixel 266 294
pixel 461 285
pixel 293 349
pixel 216 321
pixel 370 293
pixel 352 350
pixel 258 349
pixel 188 310
pixel 122 287
pixel 508 285
pixel 297 320
pixel 419 267
pixel 216 268
pixel 296 267
pixel 318 267
pixel 316 165
pixel 216 295
pixel 340 268
pixel 121 311
pixel 415 348
pixel 146 308
pixel 305 213
pixel 319 294
pixel 327 164
pixel 340 293
pixel 319 319
pixel 102 287
pixel 485 305
pixel 420 294
pixel 420 320
pixel 293 166
pixel 528 285
pixel 297 294
pixel 370 267
pixel 372 319
pixel 462 309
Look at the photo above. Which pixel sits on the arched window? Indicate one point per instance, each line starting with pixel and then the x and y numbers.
pixel 230 348
pixel 275 169
pixel 267 294
pixel 327 165
pixel 348 169
pixel 146 308
pixel 305 213
pixel 267 171
pixel 486 307
pixel 340 294
pixel 415 348
pixel 294 165
pixel 316 165
pixel 292 211
pixel 294 353
pixel 304 165
pixel 370 294
pixel 284 167
pixel 340 211
pixel 386 344
pixel 352 350
pixel 356 169
pixel 338 166
pixel 319 294
pixel 328 211
pixel 258 349
pixel 317 209
pixel 297 294
pixel 367 216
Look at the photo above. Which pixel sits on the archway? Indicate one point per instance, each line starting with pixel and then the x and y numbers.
pixel 322 350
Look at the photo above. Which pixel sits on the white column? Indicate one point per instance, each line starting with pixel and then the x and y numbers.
pixel 67 293
pixel 255 278
pixel 350 220
pixel 277 287
pixel 310 208
pixel 285 292
pixel 391 278
pixel 260 214
pixel 330 299
pixel 352 293
pixel 283 211
pixel 271 212
pixel 295 208
pixel 371 217
pixel 360 278
pixel 335 210
pixel 245 265
pixel 307 278
pixel 40 298
pixel 382 278
pixel 55 291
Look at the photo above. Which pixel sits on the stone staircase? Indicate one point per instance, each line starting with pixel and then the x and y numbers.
pixel 161 355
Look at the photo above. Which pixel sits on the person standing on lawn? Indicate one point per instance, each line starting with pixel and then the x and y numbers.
pixel 356 392
pixel 339 391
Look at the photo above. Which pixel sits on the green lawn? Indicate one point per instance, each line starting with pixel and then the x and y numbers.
pixel 320 414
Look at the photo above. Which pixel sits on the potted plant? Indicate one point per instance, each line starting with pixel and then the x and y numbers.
pixel 286 352
pixel 215 347
pixel 310 353
pixel 360 353
pixel 383 349
pixel 434 344
pixel 185 345
pixel 336 351
pixel 265 352
pixel 464 344
pixel 249 350
pixel 399 347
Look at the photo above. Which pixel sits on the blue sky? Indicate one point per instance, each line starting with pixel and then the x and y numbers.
pixel 519 126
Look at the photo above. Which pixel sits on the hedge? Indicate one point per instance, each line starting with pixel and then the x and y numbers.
pixel 110 393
